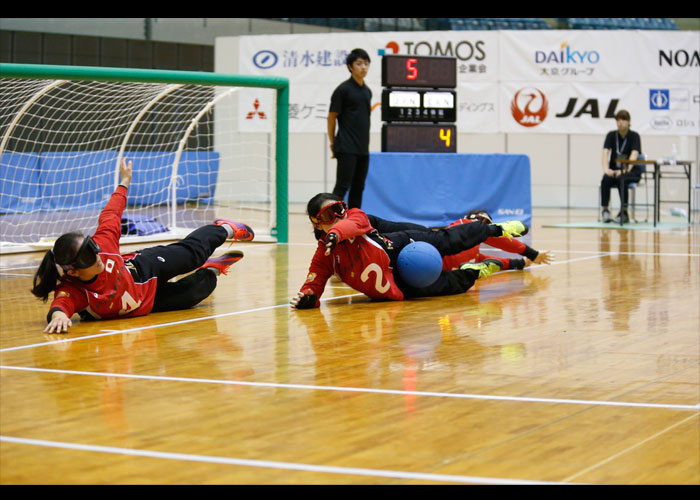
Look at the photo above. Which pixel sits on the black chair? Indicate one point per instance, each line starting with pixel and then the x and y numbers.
pixel 632 195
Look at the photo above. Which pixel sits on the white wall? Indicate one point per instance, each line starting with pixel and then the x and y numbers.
pixel 565 170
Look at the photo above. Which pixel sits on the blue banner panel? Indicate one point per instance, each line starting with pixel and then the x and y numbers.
pixel 19 189
pixel 77 179
pixel 437 189
pixel 150 183
pixel 198 172
pixel 86 179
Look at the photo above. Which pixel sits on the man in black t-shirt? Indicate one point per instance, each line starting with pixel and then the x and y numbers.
pixel 620 144
pixel 350 108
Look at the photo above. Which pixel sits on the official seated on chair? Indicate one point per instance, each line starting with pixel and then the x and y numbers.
pixel 620 144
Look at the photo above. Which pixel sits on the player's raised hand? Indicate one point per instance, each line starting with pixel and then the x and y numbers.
pixel 125 172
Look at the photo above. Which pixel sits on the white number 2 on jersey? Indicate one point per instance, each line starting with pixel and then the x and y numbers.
pixel 378 279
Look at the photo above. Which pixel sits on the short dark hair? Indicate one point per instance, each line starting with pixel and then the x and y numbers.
pixel 623 114
pixel 356 54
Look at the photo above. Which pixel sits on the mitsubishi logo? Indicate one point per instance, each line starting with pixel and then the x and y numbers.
pixel 257 112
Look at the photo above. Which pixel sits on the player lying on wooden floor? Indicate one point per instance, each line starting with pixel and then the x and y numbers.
pixel 89 276
pixel 365 259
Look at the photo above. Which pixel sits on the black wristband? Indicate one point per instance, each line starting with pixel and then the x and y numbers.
pixel 308 301
pixel 332 240
pixel 516 263
pixel 530 252
pixel 51 311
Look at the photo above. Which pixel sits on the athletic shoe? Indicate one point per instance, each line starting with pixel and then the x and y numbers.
pixel 606 216
pixel 241 232
pixel 513 228
pixel 625 218
pixel 223 262
pixel 485 268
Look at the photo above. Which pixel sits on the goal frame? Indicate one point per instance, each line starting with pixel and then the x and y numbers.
pixel 279 84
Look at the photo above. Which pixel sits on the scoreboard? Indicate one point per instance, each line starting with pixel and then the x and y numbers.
pixel 419 71
pixel 419 104
pixel 419 138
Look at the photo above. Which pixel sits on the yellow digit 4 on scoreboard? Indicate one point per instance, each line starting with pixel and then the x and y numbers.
pixel 446 135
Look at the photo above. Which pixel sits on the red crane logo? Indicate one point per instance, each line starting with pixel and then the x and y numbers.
pixel 526 116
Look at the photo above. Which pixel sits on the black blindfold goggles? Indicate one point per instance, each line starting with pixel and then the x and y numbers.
pixel 86 257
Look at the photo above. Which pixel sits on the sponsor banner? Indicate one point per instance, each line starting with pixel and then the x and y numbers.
pixel 672 57
pixel 256 110
pixel 618 56
pixel 320 57
pixel 477 108
pixel 590 108
pixel 560 56
pixel 563 109
pixel 545 81
pixel 668 109
pixel 315 66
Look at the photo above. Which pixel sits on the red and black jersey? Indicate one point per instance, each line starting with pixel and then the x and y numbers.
pixel 359 260
pixel 113 293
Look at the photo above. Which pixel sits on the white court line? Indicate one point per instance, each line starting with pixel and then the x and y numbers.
pixel 328 469
pixel 465 396
pixel 367 390
pixel 193 320
pixel 162 325
pixel 626 450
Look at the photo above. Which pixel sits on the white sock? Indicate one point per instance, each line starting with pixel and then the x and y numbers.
pixel 229 230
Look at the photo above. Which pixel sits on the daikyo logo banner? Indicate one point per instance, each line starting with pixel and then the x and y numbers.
pixel 567 55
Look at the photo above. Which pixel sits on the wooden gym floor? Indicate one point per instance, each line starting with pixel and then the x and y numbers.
pixel 584 371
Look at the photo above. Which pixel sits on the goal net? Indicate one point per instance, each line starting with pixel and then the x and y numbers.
pixel 65 130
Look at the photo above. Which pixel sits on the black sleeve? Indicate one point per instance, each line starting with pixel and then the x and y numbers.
pixel 635 142
pixel 337 100
pixel 609 141
pixel 530 253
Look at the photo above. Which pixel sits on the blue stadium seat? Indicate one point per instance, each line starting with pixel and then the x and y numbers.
pixel 614 23
pixel 487 23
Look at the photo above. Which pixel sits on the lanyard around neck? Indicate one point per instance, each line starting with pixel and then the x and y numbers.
pixel 617 143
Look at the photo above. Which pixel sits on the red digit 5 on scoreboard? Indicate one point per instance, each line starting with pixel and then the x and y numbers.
pixel 412 71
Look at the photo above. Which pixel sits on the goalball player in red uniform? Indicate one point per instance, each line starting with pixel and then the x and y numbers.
pixel 364 259
pixel 89 276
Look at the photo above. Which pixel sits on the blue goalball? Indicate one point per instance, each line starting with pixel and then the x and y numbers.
pixel 419 264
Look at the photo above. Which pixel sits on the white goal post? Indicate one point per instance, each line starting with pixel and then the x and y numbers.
pixel 65 129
